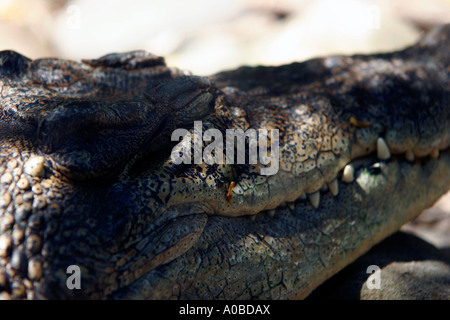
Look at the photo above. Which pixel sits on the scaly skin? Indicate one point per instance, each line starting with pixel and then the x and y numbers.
pixel 87 179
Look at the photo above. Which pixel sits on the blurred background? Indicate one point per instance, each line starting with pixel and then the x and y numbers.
pixel 205 37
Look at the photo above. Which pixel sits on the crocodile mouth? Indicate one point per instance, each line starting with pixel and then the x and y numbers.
pixel 369 157
pixel 371 164
pixel 361 185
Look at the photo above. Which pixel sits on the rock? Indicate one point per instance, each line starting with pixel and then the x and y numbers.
pixel 415 280
pixel 410 268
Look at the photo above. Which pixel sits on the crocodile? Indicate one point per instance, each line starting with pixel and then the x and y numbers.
pixel 95 205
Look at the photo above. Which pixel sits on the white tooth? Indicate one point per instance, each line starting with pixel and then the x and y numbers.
pixel 303 196
pixel 314 198
pixel 383 152
pixel 324 187
pixel 271 213
pixel 291 205
pixel 434 153
pixel 409 155
pixel 377 166
pixel 348 174
pixel 334 187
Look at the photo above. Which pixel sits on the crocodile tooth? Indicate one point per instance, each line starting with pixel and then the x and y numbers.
pixel 334 187
pixel 314 198
pixel 303 196
pixel 383 152
pixel 434 153
pixel 348 174
pixel 409 155
pixel 324 187
pixel 253 217
pixel 377 167
pixel 291 205
pixel 271 213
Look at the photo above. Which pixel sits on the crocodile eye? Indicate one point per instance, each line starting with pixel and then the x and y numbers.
pixel 90 119
pixel 96 138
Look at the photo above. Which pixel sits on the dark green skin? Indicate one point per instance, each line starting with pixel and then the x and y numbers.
pixel 109 200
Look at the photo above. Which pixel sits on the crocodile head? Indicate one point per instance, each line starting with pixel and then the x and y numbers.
pixel 91 185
